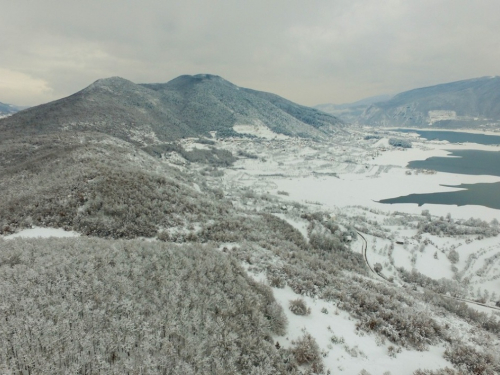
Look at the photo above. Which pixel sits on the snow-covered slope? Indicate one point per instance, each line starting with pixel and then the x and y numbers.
pixel 8 109
pixel 187 106
pixel 469 103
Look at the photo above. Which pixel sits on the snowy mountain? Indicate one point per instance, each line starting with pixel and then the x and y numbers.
pixel 468 103
pixel 350 112
pixel 8 109
pixel 187 106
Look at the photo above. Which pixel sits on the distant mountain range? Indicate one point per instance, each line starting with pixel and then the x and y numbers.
pixel 8 109
pixel 469 103
pixel 350 112
pixel 188 106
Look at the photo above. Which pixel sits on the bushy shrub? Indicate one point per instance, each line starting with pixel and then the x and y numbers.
pixel 205 141
pixel 306 352
pixel 248 155
pixel 298 307
pixel 453 256
pixel 277 318
pixel 396 142
pixel 445 371
pixel 276 278
pixel 368 137
pixel 468 359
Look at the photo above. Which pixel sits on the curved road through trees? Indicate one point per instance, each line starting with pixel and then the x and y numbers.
pixel 365 247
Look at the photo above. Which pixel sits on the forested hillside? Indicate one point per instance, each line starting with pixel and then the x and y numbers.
pixel 468 103
pixel 178 271
pixel 187 106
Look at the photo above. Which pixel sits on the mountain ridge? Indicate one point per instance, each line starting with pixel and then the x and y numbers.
pixel 8 109
pixel 187 106
pixel 466 103
pixel 350 112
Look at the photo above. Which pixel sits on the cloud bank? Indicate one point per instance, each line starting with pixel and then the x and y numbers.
pixel 307 51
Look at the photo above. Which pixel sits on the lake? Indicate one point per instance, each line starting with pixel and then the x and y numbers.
pixel 469 162
pixel 482 194
pixel 455 137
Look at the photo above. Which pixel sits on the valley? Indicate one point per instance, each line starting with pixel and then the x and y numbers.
pixel 250 188
pixel 268 249
pixel 343 179
pixel 346 179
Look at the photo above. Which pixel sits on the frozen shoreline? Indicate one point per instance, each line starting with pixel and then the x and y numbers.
pixel 380 174
pixel 465 130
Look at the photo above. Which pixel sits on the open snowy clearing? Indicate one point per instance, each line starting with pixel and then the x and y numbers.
pixel 344 348
pixel 38 232
pixel 347 350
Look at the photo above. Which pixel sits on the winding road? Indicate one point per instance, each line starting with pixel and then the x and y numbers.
pixel 365 247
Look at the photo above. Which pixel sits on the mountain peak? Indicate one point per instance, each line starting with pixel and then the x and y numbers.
pixel 186 81
pixel 208 77
pixel 111 80
pixel 188 106
pixel 109 83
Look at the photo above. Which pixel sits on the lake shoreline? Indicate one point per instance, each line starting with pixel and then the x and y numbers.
pixel 470 131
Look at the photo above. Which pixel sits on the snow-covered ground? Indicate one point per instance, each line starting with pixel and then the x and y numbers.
pixel 38 232
pixel 347 350
pixel 347 177
pixel 353 171
pixel 355 175
pixel 344 348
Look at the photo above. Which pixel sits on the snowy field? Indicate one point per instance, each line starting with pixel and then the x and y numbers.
pixel 347 350
pixel 353 172
pixel 38 232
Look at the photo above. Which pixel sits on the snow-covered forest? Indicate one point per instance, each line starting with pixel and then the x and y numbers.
pixel 231 255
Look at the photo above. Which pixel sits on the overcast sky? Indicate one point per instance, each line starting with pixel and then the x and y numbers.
pixel 310 52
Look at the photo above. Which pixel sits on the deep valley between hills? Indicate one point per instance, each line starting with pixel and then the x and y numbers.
pixel 196 227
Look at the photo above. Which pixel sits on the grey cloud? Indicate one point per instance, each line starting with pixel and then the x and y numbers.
pixel 307 51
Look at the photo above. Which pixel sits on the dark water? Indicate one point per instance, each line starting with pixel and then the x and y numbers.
pixel 472 162
pixel 469 162
pixel 482 194
pixel 455 137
